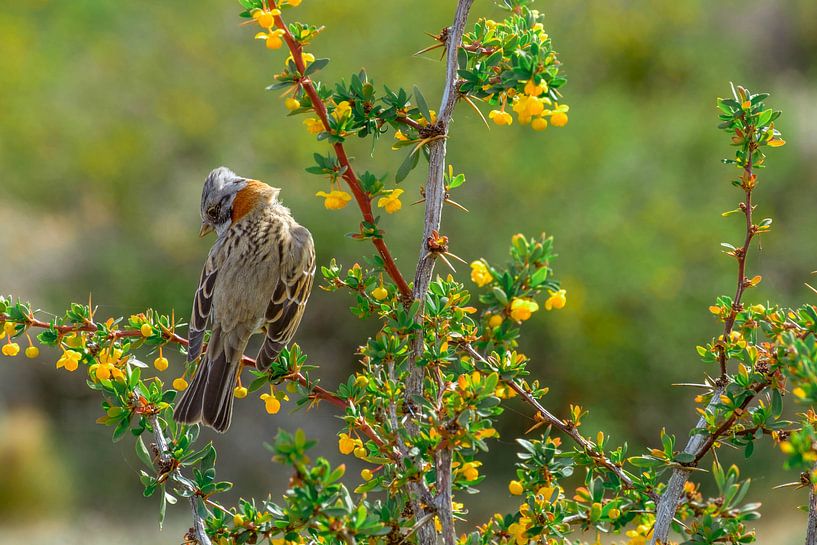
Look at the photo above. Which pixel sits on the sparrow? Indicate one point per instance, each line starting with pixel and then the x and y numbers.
pixel 258 276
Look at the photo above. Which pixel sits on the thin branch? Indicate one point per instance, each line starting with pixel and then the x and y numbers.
pixel 315 392
pixel 699 444
pixel 434 192
pixel 571 431
pixel 811 529
pixel 361 197
pixel 165 460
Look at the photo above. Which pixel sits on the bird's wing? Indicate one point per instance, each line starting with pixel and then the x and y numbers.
pixel 288 301
pixel 202 303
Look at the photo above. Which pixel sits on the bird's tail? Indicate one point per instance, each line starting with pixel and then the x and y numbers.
pixel 209 398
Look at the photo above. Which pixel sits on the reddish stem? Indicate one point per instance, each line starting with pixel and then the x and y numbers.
pixel 362 199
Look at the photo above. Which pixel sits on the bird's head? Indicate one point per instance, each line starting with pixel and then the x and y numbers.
pixel 227 197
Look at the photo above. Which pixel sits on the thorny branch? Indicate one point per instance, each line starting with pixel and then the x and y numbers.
pixel 570 431
pixel 700 443
pixel 165 460
pixel 316 392
pixel 434 198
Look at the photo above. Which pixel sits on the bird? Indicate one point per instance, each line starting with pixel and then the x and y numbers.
pixel 257 277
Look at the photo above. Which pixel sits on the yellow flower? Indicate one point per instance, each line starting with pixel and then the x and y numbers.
pixel 486 433
pixel 799 393
pixel 293 3
pixel 146 330
pixel 240 392
pixel 9 329
pixel 641 535
pixel 423 121
pixel 265 18
pixel 535 89
pixel 521 309
pixel 271 403
pixel 495 320
pixel 32 352
pixel 238 520
pixel 342 110
pixel 314 125
pixel 398 134
pixel 108 357
pixel 539 124
pixel 11 349
pixel 292 104
pixel 102 371
pixel 786 447
pixel 69 360
pixel 305 57
pixel 500 117
pixel 380 293
pixel 480 275
pixel 366 474
pixel 161 363
pixel 391 202
pixel 518 531
pixel 335 199
pixel 557 300
pixel 527 106
pixel 272 39
pixel 558 115
pixel 515 488
pixel 776 142
pixel 180 384
pixel 347 444
pixel 359 451
pixel 469 470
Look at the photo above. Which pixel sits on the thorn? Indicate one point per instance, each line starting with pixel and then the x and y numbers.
pixel 811 288
pixel 442 256
pixel 427 49
pixel 454 204
pixel 458 258
pixel 479 112
pixel 418 202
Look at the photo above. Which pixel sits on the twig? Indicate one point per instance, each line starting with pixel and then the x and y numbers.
pixel 811 529
pixel 699 444
pixel 570 431
pixel 362 199
pixel 165 459
pixel 316 392
pixel 434 201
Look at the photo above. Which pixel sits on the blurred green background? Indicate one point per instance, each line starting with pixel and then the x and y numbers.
pixel 112 113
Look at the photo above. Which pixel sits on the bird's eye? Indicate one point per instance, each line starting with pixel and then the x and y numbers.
pixel 212 212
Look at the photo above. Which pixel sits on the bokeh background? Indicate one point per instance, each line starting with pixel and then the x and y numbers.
pixel 112 113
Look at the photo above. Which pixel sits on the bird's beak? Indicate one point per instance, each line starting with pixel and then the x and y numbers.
pixel 205 229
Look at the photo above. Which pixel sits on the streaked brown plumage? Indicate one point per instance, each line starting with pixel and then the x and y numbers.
pixel 258 275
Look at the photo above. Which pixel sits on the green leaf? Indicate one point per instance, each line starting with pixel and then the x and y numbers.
pixel 142 452
pixel 317 64
pixel 422 105
pixel 407 166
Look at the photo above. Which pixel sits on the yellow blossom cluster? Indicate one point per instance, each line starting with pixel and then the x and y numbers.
pixel 107 365
pixel 532 107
